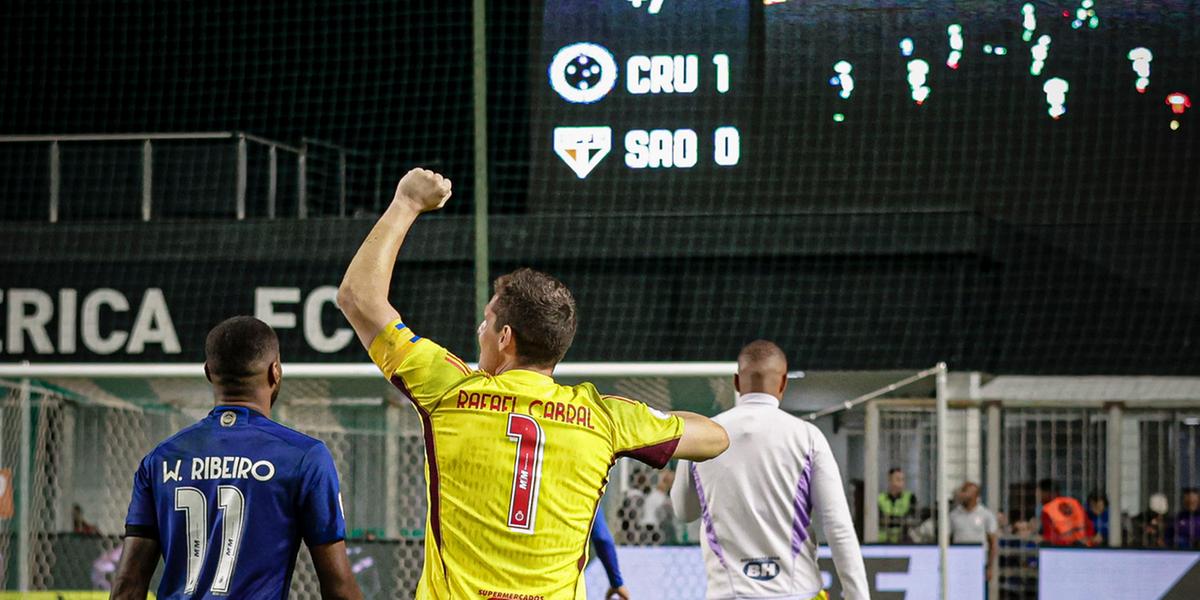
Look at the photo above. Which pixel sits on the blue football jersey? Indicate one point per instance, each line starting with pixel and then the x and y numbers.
pixel 229 500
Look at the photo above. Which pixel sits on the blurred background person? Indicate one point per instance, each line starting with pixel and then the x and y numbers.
pixel 1184 527
pixel 972 523
pixel 1064 520
pixel 897 509
pixel 1097 513
pixel 1150 526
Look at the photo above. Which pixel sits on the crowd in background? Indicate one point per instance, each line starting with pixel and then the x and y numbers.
pixel 1056 519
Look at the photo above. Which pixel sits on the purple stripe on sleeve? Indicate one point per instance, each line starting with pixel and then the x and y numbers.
pixel 802 503
pixel 711 534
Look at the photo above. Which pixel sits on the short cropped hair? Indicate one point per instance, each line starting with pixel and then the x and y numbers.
pixel 894 470
pixel 239 347
pixel 541 312
pixel 761 350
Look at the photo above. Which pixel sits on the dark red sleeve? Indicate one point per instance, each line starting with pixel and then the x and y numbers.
pixel 657 455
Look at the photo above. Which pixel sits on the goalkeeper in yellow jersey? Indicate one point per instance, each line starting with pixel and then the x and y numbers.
pixel 515 463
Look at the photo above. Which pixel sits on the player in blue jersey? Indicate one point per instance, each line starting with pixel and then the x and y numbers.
pixel 227 501
pixel 606 551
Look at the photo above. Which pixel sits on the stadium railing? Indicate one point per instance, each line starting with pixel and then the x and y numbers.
pixel 151 176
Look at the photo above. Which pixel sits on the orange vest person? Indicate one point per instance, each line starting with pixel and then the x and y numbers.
pixel 1064 521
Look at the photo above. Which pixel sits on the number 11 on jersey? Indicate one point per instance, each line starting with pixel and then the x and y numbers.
pixel 527 471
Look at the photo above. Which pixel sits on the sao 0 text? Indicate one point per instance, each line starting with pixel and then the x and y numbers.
pixel 679 148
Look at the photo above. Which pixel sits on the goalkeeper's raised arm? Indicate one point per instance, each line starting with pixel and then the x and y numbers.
pixel 363 294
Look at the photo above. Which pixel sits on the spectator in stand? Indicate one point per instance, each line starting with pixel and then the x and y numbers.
pixel 1184 528
pixel 972 523
pixel 897 507
pixel 1064 520
pixel 631 508
pixel 658 518
pixel 1150 527
pixel 926 530
pixel 79 524
pixel 1097 513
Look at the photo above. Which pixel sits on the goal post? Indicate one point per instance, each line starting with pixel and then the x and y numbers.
pixel 873 470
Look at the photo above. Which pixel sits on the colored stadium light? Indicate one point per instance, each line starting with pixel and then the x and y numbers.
pixel 1141 58
pixel 838 117
pixel 1001 50
pixel 1040 52
pixel 918 71
pixel 1056 96
pixel 1028 22
pixel 1179 102
pixel 987 48
pixel 956 39
pixel 843 69
pixel 907 46
pixel 956 45
pixel 1174 124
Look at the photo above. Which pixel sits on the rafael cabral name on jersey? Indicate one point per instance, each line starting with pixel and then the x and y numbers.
pixel 546 409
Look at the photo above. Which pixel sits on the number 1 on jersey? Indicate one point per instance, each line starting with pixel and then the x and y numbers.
pixel 527 471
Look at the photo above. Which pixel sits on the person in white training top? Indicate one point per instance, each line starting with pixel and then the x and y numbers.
pixel 760 499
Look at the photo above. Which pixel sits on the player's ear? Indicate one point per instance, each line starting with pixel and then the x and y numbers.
pixel 783 382
pixel 737 386
pixel 507 339
pixel 274 374
pixel 207 373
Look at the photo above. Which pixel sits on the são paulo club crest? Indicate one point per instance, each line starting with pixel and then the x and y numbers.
pixel 582 148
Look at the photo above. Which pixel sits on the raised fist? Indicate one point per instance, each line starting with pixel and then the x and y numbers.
pixel 423 190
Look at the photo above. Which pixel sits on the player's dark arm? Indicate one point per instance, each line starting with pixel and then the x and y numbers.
pixel 363 294
pixel 702 437
pixel 333 571
pixel 139 558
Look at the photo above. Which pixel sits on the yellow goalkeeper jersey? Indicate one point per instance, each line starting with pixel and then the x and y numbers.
pixel 515 466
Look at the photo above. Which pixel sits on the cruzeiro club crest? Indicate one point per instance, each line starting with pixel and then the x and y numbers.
pixel 582 148
pixel 583 73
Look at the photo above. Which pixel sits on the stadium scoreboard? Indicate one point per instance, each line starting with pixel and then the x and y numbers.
pixel 770 106
pixel 635 86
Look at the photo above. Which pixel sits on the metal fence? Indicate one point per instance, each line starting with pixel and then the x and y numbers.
pixel 207 175
pixel 1110 456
